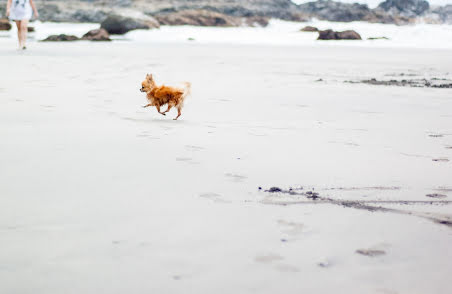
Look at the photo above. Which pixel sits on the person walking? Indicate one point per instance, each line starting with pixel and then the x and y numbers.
pixel 21 12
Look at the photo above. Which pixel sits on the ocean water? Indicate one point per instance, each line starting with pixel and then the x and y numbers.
pixel 279 33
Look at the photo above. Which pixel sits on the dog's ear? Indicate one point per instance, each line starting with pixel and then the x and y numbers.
pixel 149 77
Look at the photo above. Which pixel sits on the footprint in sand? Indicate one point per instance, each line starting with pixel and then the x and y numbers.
pixel 146 135
pixel 272 258
pixel 214 197
pixel 287 268
pixel 187 160
pixel 292 229
pixel 193 148
pixel 268 258
pixel 235 177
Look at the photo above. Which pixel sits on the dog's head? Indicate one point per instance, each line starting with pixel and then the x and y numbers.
pixel 148 84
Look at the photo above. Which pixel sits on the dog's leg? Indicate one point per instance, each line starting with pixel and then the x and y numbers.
pixel 169 107
pixel 150 104
pixel 178 113
pixel 158 109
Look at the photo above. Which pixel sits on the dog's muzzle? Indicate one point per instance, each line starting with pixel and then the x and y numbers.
pixel 141 90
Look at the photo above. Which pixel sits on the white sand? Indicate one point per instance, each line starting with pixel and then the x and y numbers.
pixel 98 195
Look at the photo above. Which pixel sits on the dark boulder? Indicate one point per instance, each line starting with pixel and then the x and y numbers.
pixel 309 29
pixel 118 25
pixel 332 35
pixel 97 35
pixel 60 38
pixel 327 35
pixel 348 35
pixel 5 25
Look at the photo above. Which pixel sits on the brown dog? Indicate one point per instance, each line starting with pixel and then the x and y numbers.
pixel 161 95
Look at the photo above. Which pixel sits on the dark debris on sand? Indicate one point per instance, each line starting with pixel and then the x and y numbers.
pixel 418 83
pixel 371 206
pixel 370 252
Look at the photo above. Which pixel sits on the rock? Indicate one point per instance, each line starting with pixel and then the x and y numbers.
pixel 406 8
pixel 30 29
pixel 370 252
pixel 274 190
pixel 50 12
pixel 5 25
pixel 332 35
pixel 118 25
pixel 60 38
pixel 282 9
pixel 97 35
pixel 348 35
pixel 380 16
pixel 327 35
pixel 96 16
pixel 442 14
pixel 309 29
pixel 335 11
pixel 198 18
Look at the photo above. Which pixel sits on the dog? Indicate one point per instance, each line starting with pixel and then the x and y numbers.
pixel 161 95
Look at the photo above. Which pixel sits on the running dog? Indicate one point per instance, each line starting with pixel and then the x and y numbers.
pixel 161 95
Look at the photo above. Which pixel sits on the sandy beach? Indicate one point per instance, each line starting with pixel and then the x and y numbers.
pixel 98 195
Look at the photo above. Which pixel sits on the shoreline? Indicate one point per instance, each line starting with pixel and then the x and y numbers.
pixel 280 33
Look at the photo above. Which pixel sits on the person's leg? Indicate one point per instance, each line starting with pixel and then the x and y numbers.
pixel 24 26
pixel 19 32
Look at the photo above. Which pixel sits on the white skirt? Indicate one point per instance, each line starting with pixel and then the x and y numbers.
pixel 20 10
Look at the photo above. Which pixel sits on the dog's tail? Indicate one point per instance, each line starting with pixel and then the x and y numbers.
pixel 187 90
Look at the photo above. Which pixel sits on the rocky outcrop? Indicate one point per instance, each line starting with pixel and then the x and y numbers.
pixel 245 12
pixel 198 18
pixel 60 38
pixel 256 21
pixel 332 35
pixel 118 25
pixel 309 29
pixel 97 35
pixel 5 25
pixel 380 16
pixel 344 12
pixel 209 19
pixel 59 13
pixel 405 8
pixel 335 11
pixel 441 14
pixel 282 9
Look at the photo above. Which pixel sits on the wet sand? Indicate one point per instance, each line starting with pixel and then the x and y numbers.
pixel 99 195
